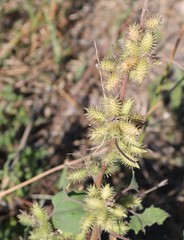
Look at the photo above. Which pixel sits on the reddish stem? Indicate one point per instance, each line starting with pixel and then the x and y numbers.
pixel 123 87
pixel 143 14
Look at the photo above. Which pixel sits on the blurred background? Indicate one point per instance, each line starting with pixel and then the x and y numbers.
pixel 47 78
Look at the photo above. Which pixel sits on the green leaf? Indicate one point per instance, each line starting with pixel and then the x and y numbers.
pixel 63 180
pixel 149 217
pixel 133 184
pixel 68 211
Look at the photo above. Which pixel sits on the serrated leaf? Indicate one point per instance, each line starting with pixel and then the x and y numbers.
pixel 68 211
pixel 149 217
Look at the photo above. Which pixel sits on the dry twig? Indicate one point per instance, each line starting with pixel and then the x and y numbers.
pixel 48 172
pixel 100 72
pixel 143 14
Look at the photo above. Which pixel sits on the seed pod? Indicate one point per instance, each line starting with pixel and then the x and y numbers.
pixel 131 49
pixel 95 114
pixel 92 191
pixel 127 106
pixel 38 213
pixel 134 32
pixel 119 212
pixel 128 64
pixel 98 134
pixel 107 192
pixel 147 43
pixel 88 221
pixel 140 72
pixel 112 82
pixel 94 203
pixel 111 106
pixel 153 23
pixel 78 175
pixel 108 65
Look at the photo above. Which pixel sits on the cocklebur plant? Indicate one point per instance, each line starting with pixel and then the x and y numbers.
pixel 114 121
pixel 116 125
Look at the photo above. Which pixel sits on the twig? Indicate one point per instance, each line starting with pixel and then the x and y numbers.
pixel 143 14
pixel 178 40
pixel 173 61
pixel 48 172
pixel 161 184
pixel 153 108
pixel 100 72
pixel 123 87
pixel 97 149
pixel 41 196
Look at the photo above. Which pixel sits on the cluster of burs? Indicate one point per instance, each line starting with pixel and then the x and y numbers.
pixel 115 124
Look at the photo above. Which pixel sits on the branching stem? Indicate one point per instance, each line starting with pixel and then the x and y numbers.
pixel 161 184
pixel 173 61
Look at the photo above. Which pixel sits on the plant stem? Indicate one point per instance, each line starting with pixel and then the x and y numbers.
pixel 143 14
pixel 123 88
pixel 98 180
pixel 94 234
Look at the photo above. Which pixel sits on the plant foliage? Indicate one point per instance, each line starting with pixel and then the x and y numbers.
pixel 68 211
pixel 149 217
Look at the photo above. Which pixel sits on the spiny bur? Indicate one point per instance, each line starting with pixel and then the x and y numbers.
pixel 140 72
pixel 108 65
pixel 134 32
pixel 152 23
pixel 147 44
